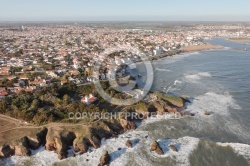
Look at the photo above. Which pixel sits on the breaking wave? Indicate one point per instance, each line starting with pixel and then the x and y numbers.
pixel 198 76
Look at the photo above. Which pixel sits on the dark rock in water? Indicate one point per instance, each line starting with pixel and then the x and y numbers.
pixel 182 113
pixel 185 99
pixel 207 113
pixel 172 110
pixel 129 144
pixel 191 114
pixel 173 148
pixel 156 147
pixel 105 159
pixel 119 148
pixel 127 125
pixel 6 151
pixel 60 157
pixel 146 136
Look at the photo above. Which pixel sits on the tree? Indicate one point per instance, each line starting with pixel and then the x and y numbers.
pixel 66 99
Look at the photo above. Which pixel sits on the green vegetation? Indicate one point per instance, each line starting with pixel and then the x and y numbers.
pixel 4 82
pixel 47 66
pixel 49 104
pixel 54 102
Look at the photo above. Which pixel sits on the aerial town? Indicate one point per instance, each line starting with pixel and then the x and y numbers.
pixel 32 57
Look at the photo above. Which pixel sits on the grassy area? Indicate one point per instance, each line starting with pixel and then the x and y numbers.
pixel 17 133
pixel 6 124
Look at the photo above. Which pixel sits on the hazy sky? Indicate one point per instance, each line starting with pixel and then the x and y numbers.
pixel 124 10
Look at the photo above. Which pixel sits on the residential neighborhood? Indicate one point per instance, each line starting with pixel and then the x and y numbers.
pixel 34 56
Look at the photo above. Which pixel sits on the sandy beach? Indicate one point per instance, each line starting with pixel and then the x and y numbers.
pixel 240 40
pixel 201 47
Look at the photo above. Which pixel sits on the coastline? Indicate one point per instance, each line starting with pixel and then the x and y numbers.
pixel 58 137
pixel 239 40
pixel 121 144
pixel 184 50
pixel 126 125
pixel 201 47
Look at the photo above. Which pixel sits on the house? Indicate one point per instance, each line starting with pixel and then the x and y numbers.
pixel 3 92
pixel 52 74
pixel 23 77
pixel 63 82
pixel 11 77
pixel 30 89
pixel 18 90
pixel 89 99
pixel 5 71
pixel 38 81
pixel 28 68
pixel 74 72
pixel 2 89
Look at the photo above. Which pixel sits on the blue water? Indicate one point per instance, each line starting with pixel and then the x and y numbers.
pixel 221 78
pixel 216 81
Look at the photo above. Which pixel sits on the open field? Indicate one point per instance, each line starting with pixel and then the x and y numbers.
pixel 12 129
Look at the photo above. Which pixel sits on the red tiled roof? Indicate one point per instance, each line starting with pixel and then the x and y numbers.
pixel 92 99
pixel 4 93
pixel 2 89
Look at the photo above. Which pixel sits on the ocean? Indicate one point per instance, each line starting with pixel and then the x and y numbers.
pixel 216 81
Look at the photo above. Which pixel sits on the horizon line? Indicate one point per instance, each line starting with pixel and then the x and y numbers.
pixel 74 21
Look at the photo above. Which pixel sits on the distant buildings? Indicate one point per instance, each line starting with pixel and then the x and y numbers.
pixel 31 56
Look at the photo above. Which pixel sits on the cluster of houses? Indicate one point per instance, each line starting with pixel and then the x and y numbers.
pixel 75 51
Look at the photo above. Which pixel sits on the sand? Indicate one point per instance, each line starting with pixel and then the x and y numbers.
pixel 240 40
pixel 201 47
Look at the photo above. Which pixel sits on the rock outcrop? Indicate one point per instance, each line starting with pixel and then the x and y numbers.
pixel 81 144
pixel 191 114
pixel 105 159
pixel 156 148
pixel 158 107
pixel 207 113
pixel 21 147
pixel 6 151
pixel 59 140
pixel 173 101
pixel 127 125
pixel 81 138
pixel 128 144
pixel 185 99
pixel 172 110
pixel 182 113
pixel 173 148
pixel 58 137
pixel 39 139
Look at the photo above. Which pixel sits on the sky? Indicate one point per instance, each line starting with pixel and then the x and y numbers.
pixel 124 10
